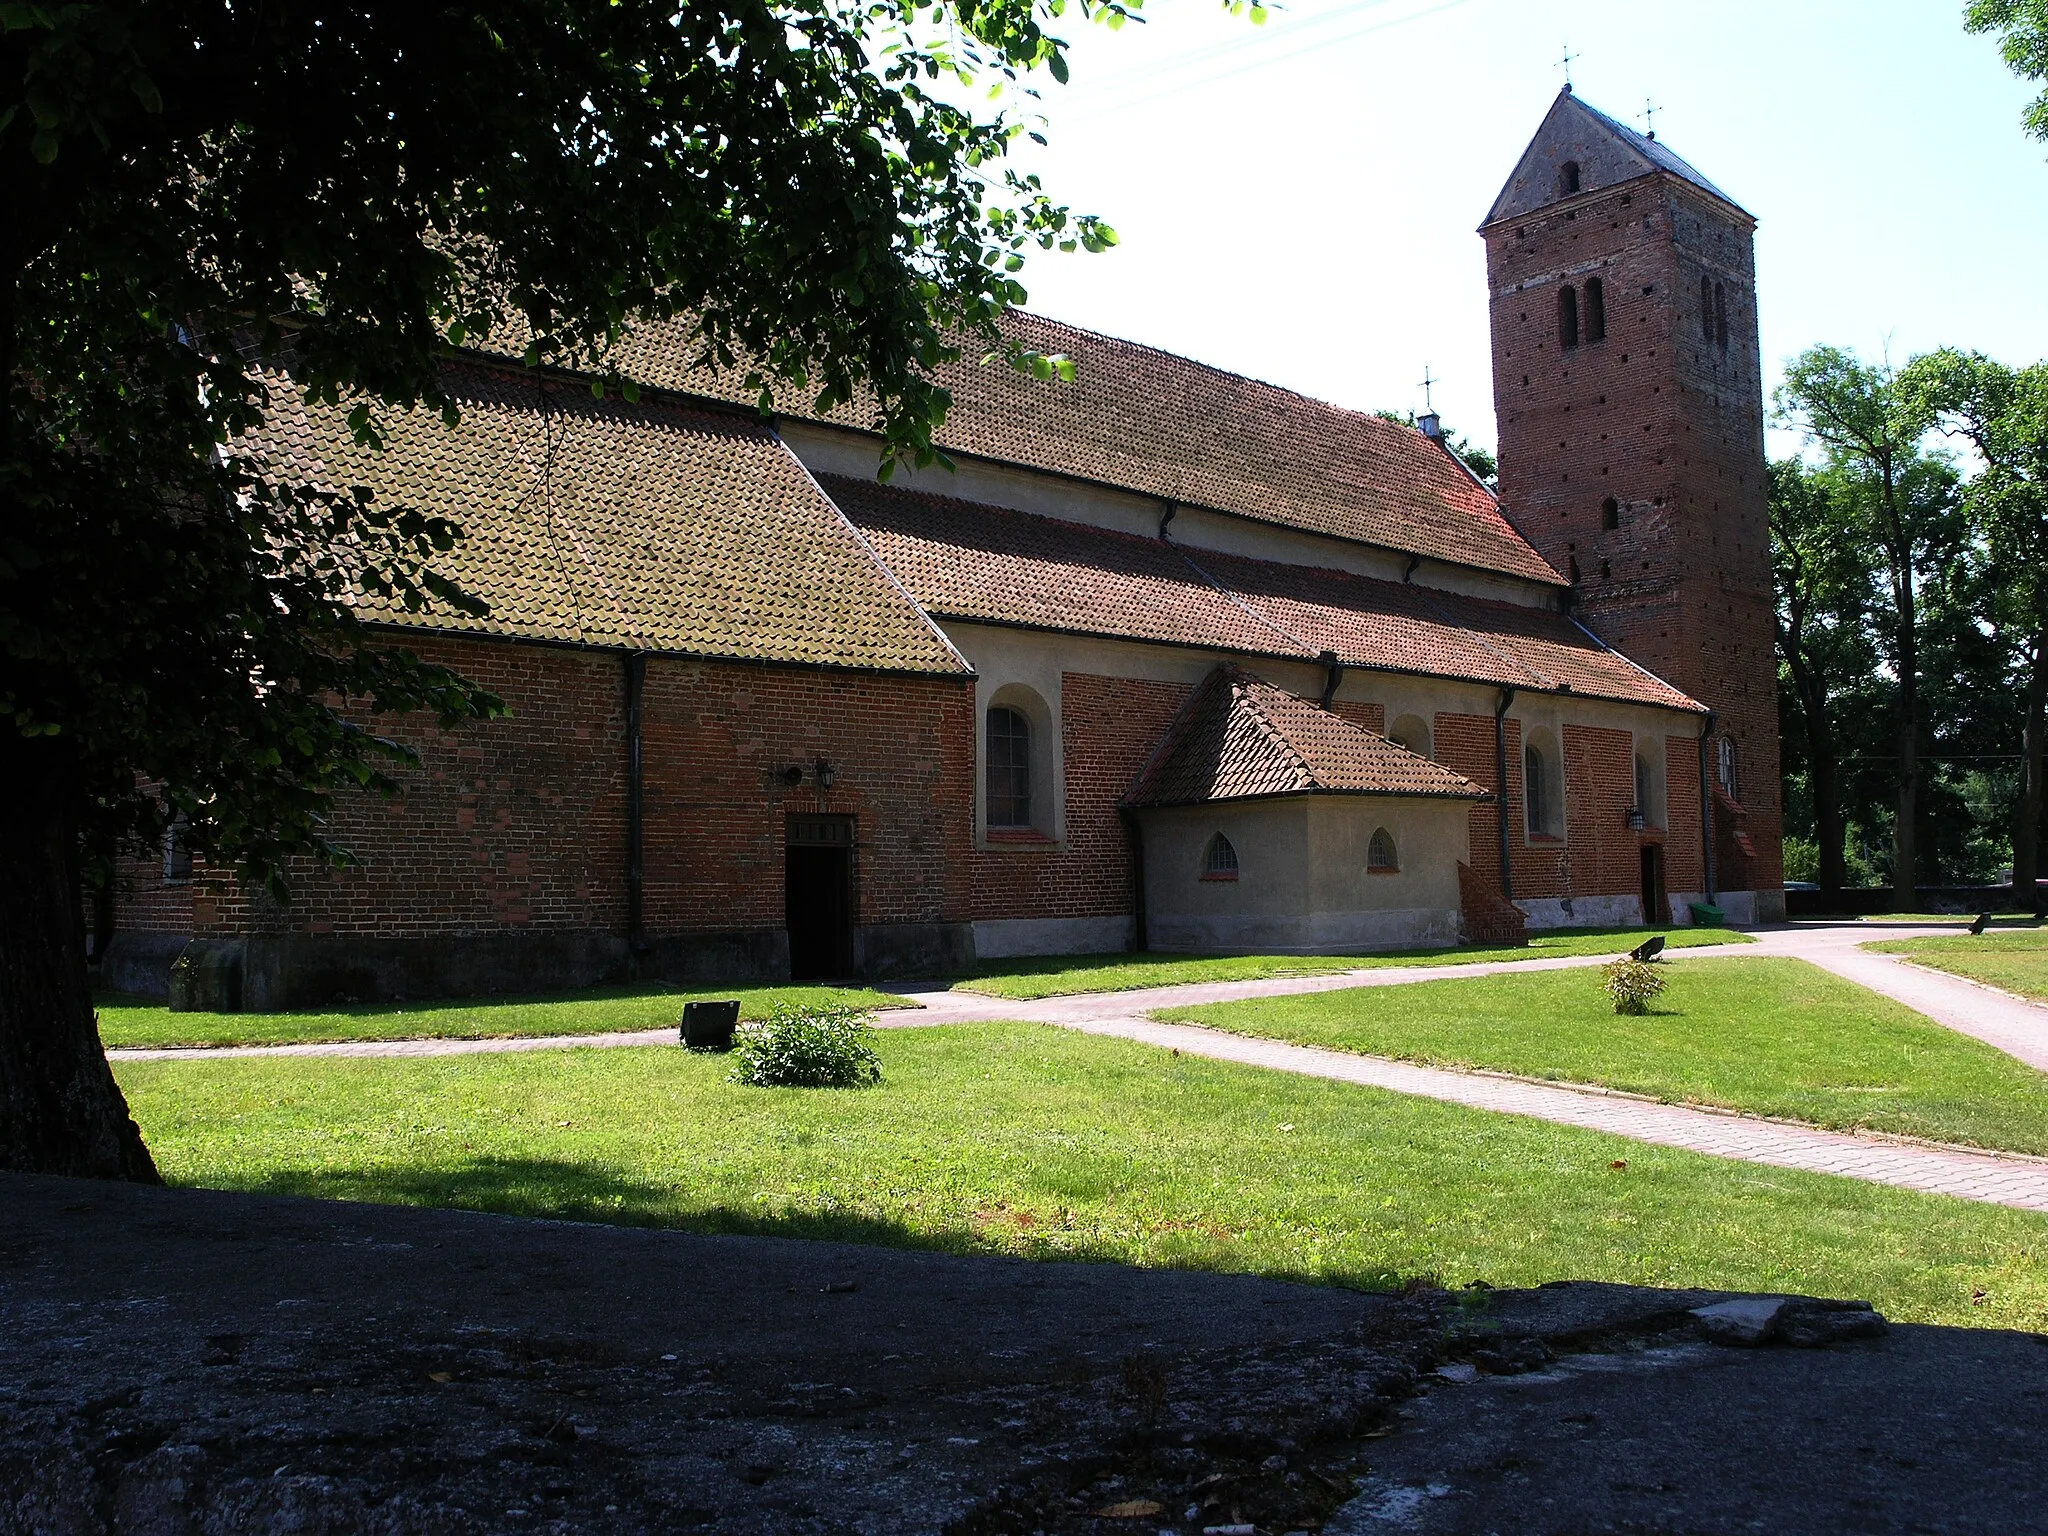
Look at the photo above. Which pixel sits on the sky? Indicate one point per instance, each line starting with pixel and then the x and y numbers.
pixel 1298 201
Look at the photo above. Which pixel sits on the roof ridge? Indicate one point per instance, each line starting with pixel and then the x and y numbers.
pixel 1275 732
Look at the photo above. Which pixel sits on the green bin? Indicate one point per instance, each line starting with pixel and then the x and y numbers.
pixel 1706 915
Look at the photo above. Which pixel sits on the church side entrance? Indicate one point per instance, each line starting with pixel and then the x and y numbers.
pixel 818 896
pixel 1656 907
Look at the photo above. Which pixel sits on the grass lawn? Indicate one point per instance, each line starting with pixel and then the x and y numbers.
pixel 1772 1036
pixel 140 1022
pixel 2018 962
pixel 1033 976
pixel 1028 1140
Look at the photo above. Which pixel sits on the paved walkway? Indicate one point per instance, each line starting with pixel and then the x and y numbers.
pixel 2010 1024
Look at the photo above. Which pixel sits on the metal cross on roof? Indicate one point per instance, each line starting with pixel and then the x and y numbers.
pixel 1428 404
pixel 1565 64
pixel 1650 111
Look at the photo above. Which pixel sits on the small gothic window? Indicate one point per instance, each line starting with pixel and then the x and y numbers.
pixel 1380 855
pixel 1538 793
pixel 1721 317
pixel 1568 178
pixel 1610 514
pixel 1596 310
pixel 1726 767
pixel 1706 308
pixel 177 850
pixel 1220 861
pixel 1009 768
pixel 1568 316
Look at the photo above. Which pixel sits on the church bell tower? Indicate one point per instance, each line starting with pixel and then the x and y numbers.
pixel 1628 386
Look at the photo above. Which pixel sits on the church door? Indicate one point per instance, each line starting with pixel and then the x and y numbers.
pixel 1656 907
pixel 818 897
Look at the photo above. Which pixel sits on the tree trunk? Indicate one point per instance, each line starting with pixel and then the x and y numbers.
pixel 60 1109
pixel 1827 817
pixel 2026 816
pixel 1904 872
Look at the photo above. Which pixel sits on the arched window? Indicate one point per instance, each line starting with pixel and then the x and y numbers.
pixel 1725 767
pixel 178 850
pixel 1721 316
pixel 1610 514
pixel 1381 856
pixel 1568 316
pixel 1568 178
pixel 1706 308
pixel 1596 310
pixel 1412 732
pixel 1219 860
pixel 1542 802
pixel 1009 768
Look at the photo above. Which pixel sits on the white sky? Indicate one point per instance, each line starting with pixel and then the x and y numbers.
pixel 1298 201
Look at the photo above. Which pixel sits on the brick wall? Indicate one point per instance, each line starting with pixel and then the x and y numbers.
pixel 520 824
pixel 1669 426
pixel 1110 727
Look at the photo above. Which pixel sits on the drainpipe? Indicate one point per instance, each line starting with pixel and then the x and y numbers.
pixel 1500 768
pixel 1141 940
pixel 1335 678
pixel 1707 809
pixel 636 828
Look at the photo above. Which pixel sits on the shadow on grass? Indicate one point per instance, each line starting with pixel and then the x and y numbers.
pixel 555 1190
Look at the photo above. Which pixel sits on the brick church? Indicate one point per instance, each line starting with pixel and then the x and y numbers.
pixel 1169 659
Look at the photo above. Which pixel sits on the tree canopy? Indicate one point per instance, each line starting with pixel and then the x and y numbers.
pixel 2022 28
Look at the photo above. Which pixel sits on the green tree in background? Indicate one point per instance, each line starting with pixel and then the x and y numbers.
pixel 190 191
pixel 2022 28
pixel 2002 413
pixel 1824 582
pixel 1897 503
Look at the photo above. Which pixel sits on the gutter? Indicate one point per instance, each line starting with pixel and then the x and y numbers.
pixel 1707 810
pixel 1500 765
pixel 636 801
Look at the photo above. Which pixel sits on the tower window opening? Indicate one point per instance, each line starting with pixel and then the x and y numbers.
pixel 1596 310
pixel 1610 514
pixel 1568 178
pixel 1721 316
pixel 1568 316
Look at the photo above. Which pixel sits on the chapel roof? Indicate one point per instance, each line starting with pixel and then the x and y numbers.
pixel 600 523
pixel 1607 151
pixel 965 560
pixel 1145 420
pixel 1240 738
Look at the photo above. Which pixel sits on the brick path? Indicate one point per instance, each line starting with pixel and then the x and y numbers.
pixel 1996 1178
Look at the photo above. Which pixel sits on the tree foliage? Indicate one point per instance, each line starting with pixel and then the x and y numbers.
pixel 195 195
pixel 2022 29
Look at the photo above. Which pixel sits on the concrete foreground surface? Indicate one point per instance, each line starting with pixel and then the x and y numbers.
pixel 180 1361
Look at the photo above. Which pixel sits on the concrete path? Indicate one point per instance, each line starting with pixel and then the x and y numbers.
pixel 1996 1178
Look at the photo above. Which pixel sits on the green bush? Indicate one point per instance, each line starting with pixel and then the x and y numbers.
pixel 1632 983
pixel 806 1048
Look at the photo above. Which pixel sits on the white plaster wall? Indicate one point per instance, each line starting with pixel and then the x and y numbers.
pixel 1303 886
pixel 835 451
pixel 1006 936
pixel 1585 912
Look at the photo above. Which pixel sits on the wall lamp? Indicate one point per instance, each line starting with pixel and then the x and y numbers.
pixel 826 774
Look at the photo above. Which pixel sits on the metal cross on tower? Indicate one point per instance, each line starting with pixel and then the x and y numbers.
pixel 1650 111
pixel 1428 404
pixel 1565 64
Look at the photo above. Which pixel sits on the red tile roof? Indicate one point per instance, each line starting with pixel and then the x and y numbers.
pixel 964 560
pixel 1162 425
pixel 645 526
pixel 1240 738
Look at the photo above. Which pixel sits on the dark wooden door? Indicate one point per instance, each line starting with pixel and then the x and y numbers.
pixel 1656 907
pixel 818 896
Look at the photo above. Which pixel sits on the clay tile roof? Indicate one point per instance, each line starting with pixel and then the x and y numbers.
pixel 965 560
pixel 1162 425
pixel 646 527
pixel 1240 738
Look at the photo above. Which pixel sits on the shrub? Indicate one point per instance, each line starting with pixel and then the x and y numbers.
pixel 806 1048
pixel 1632 983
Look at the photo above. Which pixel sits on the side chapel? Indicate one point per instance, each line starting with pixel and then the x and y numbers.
pixel 1170 659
